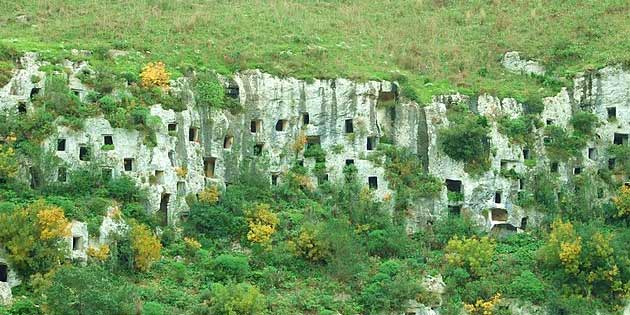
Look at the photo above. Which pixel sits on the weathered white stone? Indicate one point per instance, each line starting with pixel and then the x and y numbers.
pixel 78 240
pixel 512 61
pixel 5 294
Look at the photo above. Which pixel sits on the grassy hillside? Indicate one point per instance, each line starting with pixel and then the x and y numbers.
pixel 438 46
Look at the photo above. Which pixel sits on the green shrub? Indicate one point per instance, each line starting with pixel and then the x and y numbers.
pixel 153 308
pixel 229 267
pixel 466 138
pixel 528 287
pixel 584 122
pixel 231 299
pixel 562 145
pixel 209 91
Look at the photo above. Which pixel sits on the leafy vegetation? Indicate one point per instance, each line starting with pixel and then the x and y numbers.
pixel 466 138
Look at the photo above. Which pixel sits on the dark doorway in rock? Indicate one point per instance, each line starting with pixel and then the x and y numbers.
pixel 62 175
pixel 497 197
pixel 232 90
pixel 592 153
pixel 349 162
pixel 454 211
pixel 371 143
pixel 554 167
pixel 255 126
pixel 22 108
pixel 77 243
pixel 193 134
pixel 61 144
pixel 159 177
pixel 258 149
pixel 611 164
pixel 35 177
pixel 306 119
pixel 524 223
pixel 128 163
pixel 312 141
pixel 209 164
pixel 181 188
pixel 577 171
pixel 620 138
pixel 349 126
pixel 282 125
pixel 108 140
pixel 227 142
pixel 84 153
pixel 4 273
pixel 274 179
pixel 525 154
pixel 499 214
pixel 171 157
pixel 373 182
pixel 454 185
pixel 172 127
pixel 612 113
pixel 163 213
pixel 35 92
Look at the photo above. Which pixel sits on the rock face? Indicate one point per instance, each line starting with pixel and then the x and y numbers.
pixel 5 294
pixel 198 147
pixel 512 61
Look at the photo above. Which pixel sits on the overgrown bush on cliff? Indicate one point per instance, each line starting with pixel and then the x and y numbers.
pixel 466 138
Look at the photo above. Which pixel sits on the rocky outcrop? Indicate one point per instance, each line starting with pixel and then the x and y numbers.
pixel 198 147
pixel 5 294
pixel 512 62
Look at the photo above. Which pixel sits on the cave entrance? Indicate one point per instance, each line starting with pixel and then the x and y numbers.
pixel 499 214
pixel 77 243
pixel 454 185
pixel 163 213
pixel 4 273
pixel 209 164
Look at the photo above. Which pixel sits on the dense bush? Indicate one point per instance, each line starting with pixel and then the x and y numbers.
pixel 466 138
pixel 209 91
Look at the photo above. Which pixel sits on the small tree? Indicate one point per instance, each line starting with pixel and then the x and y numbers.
pixel 155 75
pixel 262 225
pixel 146 247
pixel 622 202
pixel 474 254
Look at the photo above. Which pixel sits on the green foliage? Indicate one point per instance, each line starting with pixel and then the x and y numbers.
pixel 562 145
pixel 584 122
pixel 528 287
pixel 389 289
pixel 241 298
pixel 406 174
pixel 209 91
pixel 229 267
pixel 153 308
pixel 519 130
pixel 88 290
pixel 466 138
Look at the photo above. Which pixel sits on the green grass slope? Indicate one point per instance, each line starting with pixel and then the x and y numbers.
pixel 431 47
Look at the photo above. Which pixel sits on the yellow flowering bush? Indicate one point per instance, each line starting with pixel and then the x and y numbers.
pixel 146 247
pixel 210 195
pixel 154 74
pixel 51 220
pixel 622 202
pixel 566 245
pixel 8 162
pixel 192 243
pixel 99 254
pixel 300 142
pixel 309 245
pixel 262 225
pixel 471 253
pixel 483 307
pixel 181 172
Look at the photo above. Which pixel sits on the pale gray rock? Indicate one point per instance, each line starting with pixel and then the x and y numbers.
pixel 512 62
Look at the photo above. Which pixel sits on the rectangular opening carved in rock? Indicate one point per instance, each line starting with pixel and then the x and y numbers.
pixel 181 188
pixel 611 164
pixel 172 127
pixel 554 167
pixel 171 157
pixel 61 144
pixel 306 119
pixel 521 184
pixel 209 164
pixel 499 214
pixel 349 162
pixel 620 138
pixel 577 170
pixel 84 153
pixel 497 197
pixel 159 177
pixel 258 149
pixel 349 126
pixel 255 126
pixel 612 113
pixel 128 163
pixel 77 243
pixel 62 175
pixel 232 90
pixel 373 182
pixel 454 211
pixel 21 108
pixel 454 185
pixel 525 154
pixel 76 92
pixel 523 223
pixel 108 140
pixel 227 142
pixel 370 143
pixel 274 179
pixel 312 140
pixel 193 134
pixel 282 125
pixel 34 92
pixel 549 121
pixel 4 273
pixel 592 153
pixel 163 213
